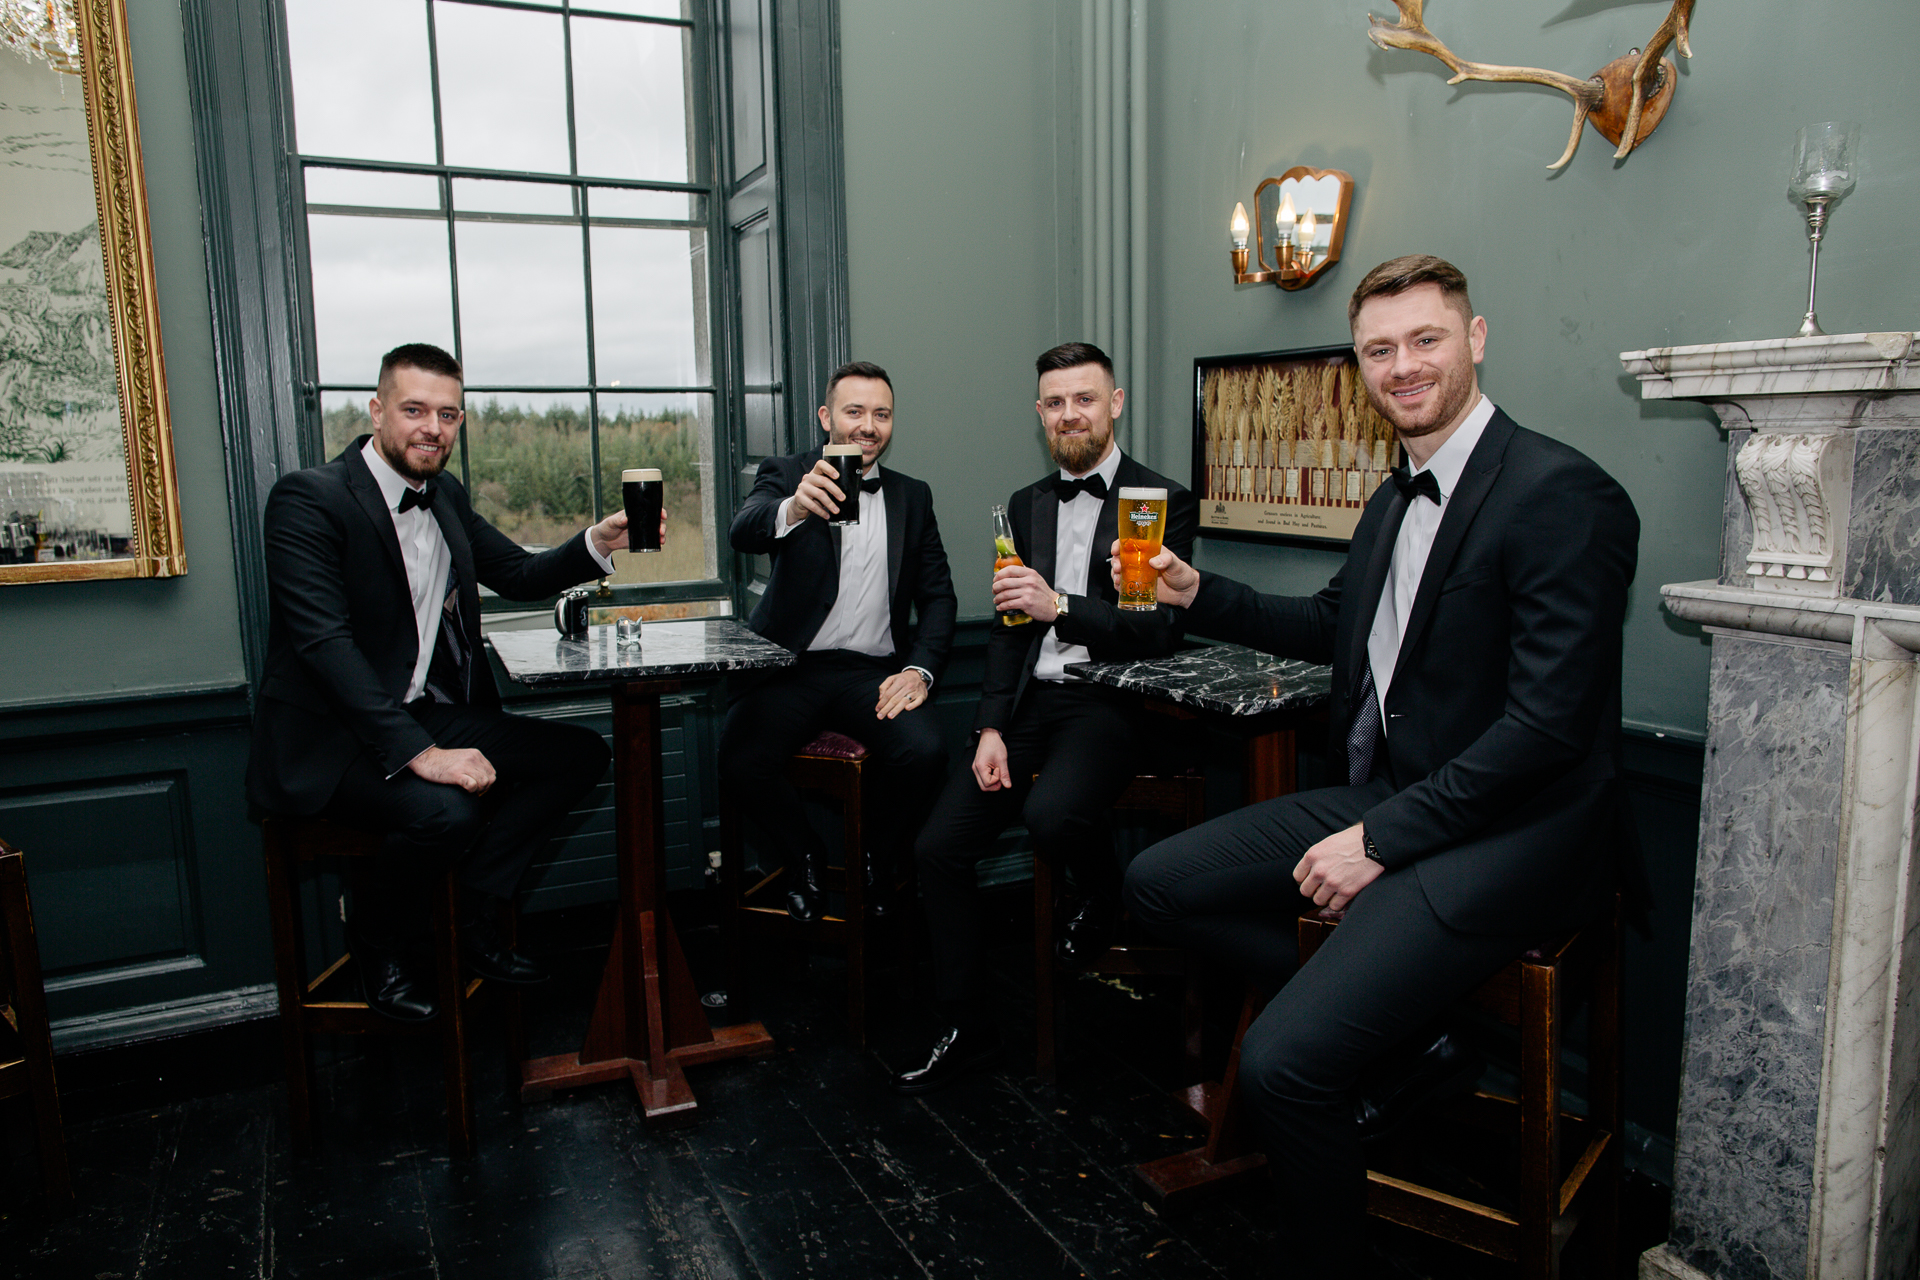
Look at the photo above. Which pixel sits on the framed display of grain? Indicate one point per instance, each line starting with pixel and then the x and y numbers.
pixel 1286 444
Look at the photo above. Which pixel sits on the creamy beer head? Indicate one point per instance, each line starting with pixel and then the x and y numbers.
pixel 635 474
pixel 841 450
pixel 1143 495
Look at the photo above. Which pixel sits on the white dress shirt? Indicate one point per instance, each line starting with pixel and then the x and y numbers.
pixel 424 551
pixel 861 618
pixel 1072 546
pixel 1414 544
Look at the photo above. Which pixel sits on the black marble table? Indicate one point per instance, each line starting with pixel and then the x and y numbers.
pixel 1272 697
pixel 647 1023
pixel 1276 695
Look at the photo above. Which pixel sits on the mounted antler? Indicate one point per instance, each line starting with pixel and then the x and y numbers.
pixel 1625 99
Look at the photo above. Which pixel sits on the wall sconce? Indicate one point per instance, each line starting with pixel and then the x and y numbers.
pixel 1307 212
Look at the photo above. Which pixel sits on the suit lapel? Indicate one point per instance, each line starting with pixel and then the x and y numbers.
pixel 1045 524
pixel 1372 582
pixel 896 501
pixel 366 491
pixel 1105 530
pixel 1476 480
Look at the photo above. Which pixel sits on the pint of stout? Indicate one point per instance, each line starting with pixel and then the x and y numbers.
pixel 845 460
pixel 1143 524
pixel 642 492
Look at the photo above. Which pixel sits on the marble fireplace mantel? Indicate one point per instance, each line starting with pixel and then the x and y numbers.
pixel 1798 1144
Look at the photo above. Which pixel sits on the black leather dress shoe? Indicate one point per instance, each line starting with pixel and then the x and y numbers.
pixel 393 987
pixel 955 1052
pixel 1088 932
pixel 500 963
pixel 879 894
pixel 804 894
pixel 1446 1068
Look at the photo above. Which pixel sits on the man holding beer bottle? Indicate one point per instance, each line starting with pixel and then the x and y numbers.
pixel 855 551
pixel 1080 738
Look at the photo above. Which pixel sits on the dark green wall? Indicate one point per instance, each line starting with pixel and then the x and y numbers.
pixel 963 231
pixel 68 641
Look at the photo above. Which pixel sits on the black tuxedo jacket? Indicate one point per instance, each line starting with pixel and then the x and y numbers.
pixel 1095 619
pixel 1504 709
pixel 806 564
pixel 342 641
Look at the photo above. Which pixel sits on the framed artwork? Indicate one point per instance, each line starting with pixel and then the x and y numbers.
pixel 87 487
pixel 1286 444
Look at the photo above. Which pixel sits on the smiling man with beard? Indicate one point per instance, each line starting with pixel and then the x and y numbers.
pixel 376 705
pixel 1081 739
pixel 1475 638
pixel 840 597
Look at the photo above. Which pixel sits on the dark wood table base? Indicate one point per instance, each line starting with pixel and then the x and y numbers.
pixel 647 1024
pixel 1176 1182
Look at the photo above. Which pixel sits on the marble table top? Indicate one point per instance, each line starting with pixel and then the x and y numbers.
pixel 699 646
pixel 1222 677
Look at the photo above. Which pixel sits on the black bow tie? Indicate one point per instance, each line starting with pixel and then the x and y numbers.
pixel 870 485
pixel 421 498
pixel 1422 485
pixel 1068 490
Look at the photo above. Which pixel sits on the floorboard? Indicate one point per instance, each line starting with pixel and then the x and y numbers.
pixel 802 1164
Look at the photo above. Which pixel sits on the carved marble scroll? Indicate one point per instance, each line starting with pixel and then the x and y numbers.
pixel 1797 487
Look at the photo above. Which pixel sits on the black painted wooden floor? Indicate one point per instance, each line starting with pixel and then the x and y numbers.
pixel 802 1164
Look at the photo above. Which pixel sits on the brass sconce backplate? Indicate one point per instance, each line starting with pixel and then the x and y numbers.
pixel 1327 194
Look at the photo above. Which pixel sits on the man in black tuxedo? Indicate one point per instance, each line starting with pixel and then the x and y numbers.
pixel 1082 739
pixel 840 597
pixel 1475 636
pixel 377 707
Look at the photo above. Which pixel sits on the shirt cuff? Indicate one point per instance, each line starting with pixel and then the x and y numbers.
pixel 604 560
pixel 780 526
pixel 924 674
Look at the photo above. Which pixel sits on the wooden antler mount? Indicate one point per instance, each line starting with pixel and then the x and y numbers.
pixel 1625 100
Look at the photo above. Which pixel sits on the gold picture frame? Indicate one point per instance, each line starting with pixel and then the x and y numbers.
pixel 152 545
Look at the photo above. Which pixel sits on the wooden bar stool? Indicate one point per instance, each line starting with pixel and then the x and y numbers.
pixel 319 1005
pixel 26 1047
pixel 830 766
pixel 1555 1193
pixel 1181 797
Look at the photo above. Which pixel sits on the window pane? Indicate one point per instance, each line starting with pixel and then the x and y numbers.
pixel 646 206
pixel 530 459
pixel 343 417
pixel 639 8
pixel 630 99
pixel 355 96
pixel 477 195
pixel 523 309
pixel 643 307
pixel 373 190
pixel 503 88
pixel 675 434
pixel 377 282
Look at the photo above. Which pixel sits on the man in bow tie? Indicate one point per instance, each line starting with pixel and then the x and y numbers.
pixel 376 705
pixel 1082 739
pixel 1474 635
pixel 842 597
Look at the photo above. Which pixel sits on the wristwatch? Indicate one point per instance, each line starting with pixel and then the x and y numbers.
pixel 1060 602
pixel 1373 850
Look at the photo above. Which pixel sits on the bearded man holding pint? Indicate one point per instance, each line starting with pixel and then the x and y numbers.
pixel 1034 718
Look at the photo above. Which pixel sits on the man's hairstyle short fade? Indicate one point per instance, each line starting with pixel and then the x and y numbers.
pixel 1401 274
pixel 423 356
pixel 856 369
pixel 1071 355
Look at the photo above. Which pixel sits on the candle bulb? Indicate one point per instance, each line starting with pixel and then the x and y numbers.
pixel 1238 229
pixel 1304 238
pixel 1283 220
